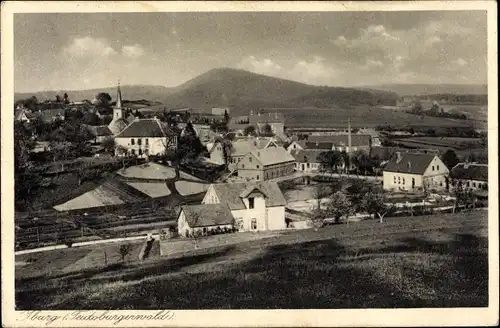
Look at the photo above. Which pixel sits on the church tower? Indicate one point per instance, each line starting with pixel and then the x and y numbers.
pixel 118 110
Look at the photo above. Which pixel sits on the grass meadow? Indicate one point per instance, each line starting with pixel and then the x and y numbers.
pixel 431 261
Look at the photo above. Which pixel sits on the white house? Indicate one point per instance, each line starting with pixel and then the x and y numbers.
pixel 256 206
pixel 471 175
pixel 145 137
pixel 204 218
pixel 413 172
pixel 307 160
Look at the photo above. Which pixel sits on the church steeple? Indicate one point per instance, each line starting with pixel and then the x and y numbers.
pixel 118 110
pixel 119 97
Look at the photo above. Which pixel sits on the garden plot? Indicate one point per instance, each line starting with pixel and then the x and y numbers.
pixel 146 171
pixel 100 196
pixel 152 189
pixel 189 188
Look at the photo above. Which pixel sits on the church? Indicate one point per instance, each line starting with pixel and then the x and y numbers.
pixel 140 137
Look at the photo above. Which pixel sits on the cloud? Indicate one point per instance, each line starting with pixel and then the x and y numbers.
pixel 264 66
pixel 460 62
pixel 134 51
pixel 88 47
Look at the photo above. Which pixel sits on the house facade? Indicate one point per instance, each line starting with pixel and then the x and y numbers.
pixel 240 147
pixel 202 219
pixel 275 120
pixel 307 160
pixel 255 206
pixel 265 164
pixel 415 172
pixel 145 137
pixel 470 175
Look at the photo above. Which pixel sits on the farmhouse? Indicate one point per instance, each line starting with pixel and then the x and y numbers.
pixel 22 114
pixel 341 141
pixel 145 137
pixel 471 175
pixel 264 164
pixel 307 160
pixel 413 172
pixel 254 205
pixel 201 219
pixel 50 115
pixel 275 120
pixel 100 133
pixel 240 147
pixel 296 145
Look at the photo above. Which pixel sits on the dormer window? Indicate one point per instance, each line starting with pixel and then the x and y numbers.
pixel 251 202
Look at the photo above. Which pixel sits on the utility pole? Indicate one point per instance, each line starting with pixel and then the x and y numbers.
pixel 349 143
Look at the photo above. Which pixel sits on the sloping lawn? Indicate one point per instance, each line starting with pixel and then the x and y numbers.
pixel 432 261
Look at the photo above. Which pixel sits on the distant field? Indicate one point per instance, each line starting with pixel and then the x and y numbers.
pixel 442 143
pixel 360 117
pixel 427 261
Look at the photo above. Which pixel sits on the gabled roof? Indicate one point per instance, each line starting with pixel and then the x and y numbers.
pixel 318 145
pixel 100 131
pixel 342 139
pixel 206 215
pixel 50 114
pixel 117 125
pixel 263 118
pixel 469 171
pixel 249 189
pixel 383 151
pixel 144 128
pixel 307 155
pixel 229 193
pixel 272 155
pixel 409 163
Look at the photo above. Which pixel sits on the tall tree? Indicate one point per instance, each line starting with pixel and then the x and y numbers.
pixel 374 203
pixel 66 98
pixel 339 206
pixel 102 99
pixel 330 160
pixel 226 116
pixel 250 131
pixel 450 158
pixel 267 130
pixel 58 98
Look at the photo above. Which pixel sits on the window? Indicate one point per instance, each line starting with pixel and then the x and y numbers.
pixel 433 167
pixel 437 168
pixel 251 202
pixel 133 151
pixel 242 166
pixel 399 180
pixel 394 179
pixel 257 166
pixel 254 224
pixel 404 181
pixel 139 142
pixel 250 159
pixel 140 151
pixel 474 184
pixel 147 141
pixel 257 177
pixel 307 165
pixel 132 142
pixel 204 231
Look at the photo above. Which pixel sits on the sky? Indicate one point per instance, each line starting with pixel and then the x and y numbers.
pixel 73 51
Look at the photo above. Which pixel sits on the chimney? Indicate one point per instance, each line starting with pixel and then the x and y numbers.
pixel 398 157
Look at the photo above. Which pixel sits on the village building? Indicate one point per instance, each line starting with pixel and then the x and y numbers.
pixel 341 141
pixel 100 133
pixel 203 219
pixel 470 175
pixel 415 172
pixel 255 206
pixel 49 115
pixel 265 164
pixel 22 114
pixel 275 120
pixel 307 160
pixel 239 148
pixel 146 137
pixel 220 111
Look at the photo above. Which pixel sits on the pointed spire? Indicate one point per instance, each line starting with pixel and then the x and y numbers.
pixel 119 97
